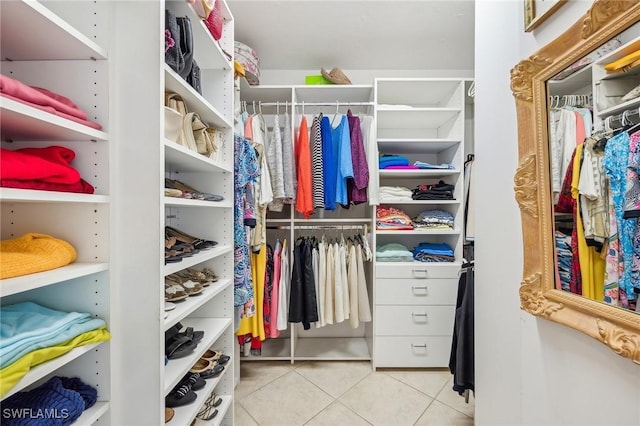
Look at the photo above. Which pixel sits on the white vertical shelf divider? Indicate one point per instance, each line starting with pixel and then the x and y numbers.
pixel 64 39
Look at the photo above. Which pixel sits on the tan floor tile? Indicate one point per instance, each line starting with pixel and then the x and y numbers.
pixel 439 414
pixel 429 382
pixel 335 377
pixel 384 401
pixel 256 374
pixel 451 398
pixel 290 400
pixel 337 414
pixel 241 417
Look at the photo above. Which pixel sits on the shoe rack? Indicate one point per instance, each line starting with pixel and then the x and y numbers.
pixel 145 160
pixel 42 44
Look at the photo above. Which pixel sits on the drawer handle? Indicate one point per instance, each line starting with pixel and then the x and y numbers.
pixel 419 271
pixel 419 287
pixel 424 315
pixel 419 346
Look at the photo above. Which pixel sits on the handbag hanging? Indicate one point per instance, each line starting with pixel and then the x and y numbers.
pixel 186 45
pixel 214 21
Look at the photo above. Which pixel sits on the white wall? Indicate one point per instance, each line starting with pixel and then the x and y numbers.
pixel 528 371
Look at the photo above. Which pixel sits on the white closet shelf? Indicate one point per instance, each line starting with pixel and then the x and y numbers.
pixel 194 101
pixel 419 232
pixel 329 221
pixel 272 350
pixel 19 121
pixel 633 103
pixel 42 279
pixel 185 414
pixel 197 258
pixel 417 173
pixel 572 83
pixel 622 51
pixel 190 304
pixel 413 91
pixel 181 159
pixel 30 31
pixel 414 146
pixel 331 93
pixel 409 202
pixel 18 195
pixel 183 202
pixel 92 415
pixel 418 118
pixel 42 370
pixel 177 368
pixel 331 348
pixel 215 58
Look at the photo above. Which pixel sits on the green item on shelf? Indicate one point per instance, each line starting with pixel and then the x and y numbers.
pixel 316 79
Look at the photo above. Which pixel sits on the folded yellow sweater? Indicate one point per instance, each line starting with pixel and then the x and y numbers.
pixel 13 373
pixel 32 253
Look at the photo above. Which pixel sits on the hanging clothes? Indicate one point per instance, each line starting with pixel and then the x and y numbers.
pixel 275 293
pixel 461 360
pixel 329 164
pixel 288 163
pixel 275 163
pixel 246 171
pixel 316 164
pixel 283 289
pixel 342 153
pixel 357 186
pixel 302 299
pixel 370 142
pixel 304 202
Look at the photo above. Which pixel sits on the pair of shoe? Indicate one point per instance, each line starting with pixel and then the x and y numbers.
pixel 204 277
pixel 209 411
pixel 208 369
pixel 175 188
pixel 181 344
pixel 184 392
pixel 176 236
pixel 191 288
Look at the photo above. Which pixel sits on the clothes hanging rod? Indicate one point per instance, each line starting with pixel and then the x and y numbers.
pixel 624 115
pixel 363 226
pixel 315 103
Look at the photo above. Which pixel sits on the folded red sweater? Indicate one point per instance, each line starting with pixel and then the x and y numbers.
pixel 82 186
pixel 49 164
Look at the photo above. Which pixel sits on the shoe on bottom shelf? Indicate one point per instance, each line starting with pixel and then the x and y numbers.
pixel 168 414
pixel 209 410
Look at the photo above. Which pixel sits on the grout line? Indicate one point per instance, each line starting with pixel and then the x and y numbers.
pixel 425 410
pixel 413 387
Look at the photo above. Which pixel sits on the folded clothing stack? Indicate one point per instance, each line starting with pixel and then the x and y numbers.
pixel 433 252
pixel 393 252
pixel 433 219
pixel 63 398
pixel 31 334
pixel 393 161
pixel 424 165
pixel 31 253
pixel 390 194
pixel 45 169
pixel 392 218
pixel 438 191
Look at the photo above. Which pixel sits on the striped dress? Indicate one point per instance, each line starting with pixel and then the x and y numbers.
pixel 317 183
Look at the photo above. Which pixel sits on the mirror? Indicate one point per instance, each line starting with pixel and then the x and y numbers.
pixel 578 271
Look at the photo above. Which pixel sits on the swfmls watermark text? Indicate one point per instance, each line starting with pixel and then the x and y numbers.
pixel 31 413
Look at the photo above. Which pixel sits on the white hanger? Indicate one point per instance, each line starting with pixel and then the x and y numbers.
pixel 336 114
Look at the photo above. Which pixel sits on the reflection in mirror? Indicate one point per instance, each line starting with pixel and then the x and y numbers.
pixel 594 165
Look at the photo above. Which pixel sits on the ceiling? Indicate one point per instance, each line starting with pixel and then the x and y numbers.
pixel 357 34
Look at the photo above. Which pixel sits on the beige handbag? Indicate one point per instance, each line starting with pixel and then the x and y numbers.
pixel 174 115
pixel 200 137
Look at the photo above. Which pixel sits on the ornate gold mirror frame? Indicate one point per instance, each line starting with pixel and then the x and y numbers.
pixel 617 328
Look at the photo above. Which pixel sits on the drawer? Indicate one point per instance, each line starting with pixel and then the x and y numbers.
pixel 443 291
pixel 417 351
pixel 414 320
pixel 417 270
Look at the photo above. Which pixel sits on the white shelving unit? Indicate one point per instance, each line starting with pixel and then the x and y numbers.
pixel 143 211
pixel 422 119
pixel 337 341
pixel 63 39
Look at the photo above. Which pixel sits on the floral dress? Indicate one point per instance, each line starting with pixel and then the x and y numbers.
pixel 246 172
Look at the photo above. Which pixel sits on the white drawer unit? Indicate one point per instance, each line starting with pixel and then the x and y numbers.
pixel 412 351
pixel 423 320
pixel 416 270
pixel 416 291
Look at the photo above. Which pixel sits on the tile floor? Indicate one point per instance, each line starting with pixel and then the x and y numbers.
pixel 349 393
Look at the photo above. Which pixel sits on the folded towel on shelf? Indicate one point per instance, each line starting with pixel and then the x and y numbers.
pixel 393 252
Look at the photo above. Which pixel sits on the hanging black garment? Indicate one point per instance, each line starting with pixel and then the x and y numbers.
pixel 302 300
pixel 461 362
